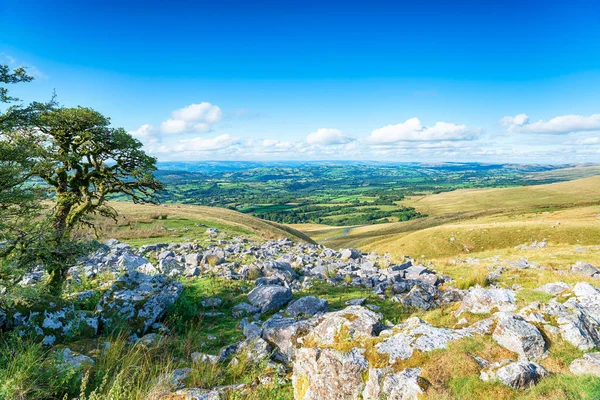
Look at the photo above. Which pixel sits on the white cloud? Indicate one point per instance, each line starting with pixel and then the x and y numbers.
pixel 517 120
pixel 195 118
pixel 560 125
pixel 199 144
pixel 412 130
pixel 145 131
pixel 328 136
pixel 590 140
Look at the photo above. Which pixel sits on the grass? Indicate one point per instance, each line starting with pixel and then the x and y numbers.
pixel 578 191
pixel 144 223
pixel 128 371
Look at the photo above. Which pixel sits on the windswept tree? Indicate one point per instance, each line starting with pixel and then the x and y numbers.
pixel 85 162
pixel 19 198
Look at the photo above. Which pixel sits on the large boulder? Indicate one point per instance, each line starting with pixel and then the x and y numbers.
pixel 583 268
pixel 589 364
pixel 285 335
pixel 308 305
pixel 279 269
pixel 351 323
pixel 349 254
pixel 574 324
pixel 515 334
pixel 68 359
pixel 481 301
pixel 130 261
pixel 193 259
pixel 518 375
pixel 401 341
pixel 137 301
pixel 269 297
pixel 335 375
pixel 387 384
pixel 328 374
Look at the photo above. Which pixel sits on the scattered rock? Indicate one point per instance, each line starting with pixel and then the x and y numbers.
pixel 269 297
pixel 583 268
pixel 518 375
pixel 479 301
pixel 308 305
pixel 137 300
pixel 515 334
pixel 589 364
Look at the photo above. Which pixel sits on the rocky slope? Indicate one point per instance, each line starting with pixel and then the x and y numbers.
pixel 326 351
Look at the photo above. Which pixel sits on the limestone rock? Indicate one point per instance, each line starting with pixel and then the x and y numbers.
pixel 479 301
pixel 414 334
pixel 589 364
pixel 68 359
pixel 285 334
pixel 352 322
pixel 328 374
pixel 269 297
pixel 515 334
pixel 387 384
pixel 308 305
pixel 583 268
pixel 518 375
pixel 137 300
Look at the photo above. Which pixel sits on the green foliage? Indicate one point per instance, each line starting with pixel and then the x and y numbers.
pixel 28 371
pixel 84 160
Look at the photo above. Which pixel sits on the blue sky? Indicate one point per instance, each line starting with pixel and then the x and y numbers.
pixel 402 81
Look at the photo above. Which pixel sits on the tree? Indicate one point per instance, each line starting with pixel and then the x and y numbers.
pixel 85 162
pixel 19 198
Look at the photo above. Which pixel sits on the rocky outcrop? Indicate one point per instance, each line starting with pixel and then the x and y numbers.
pixel 328 374
pixel 401 341
pixel 479 300
pixel 138 301
pixel 516 374
pixel 517 335
pixel 351 323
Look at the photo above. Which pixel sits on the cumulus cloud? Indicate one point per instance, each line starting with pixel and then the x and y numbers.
pixel 195 118
pixel 199 144
pixel 145 131
pixel 328 136
pixel 560 125
pixel 517 120
pixel 589 141
pixel 411 130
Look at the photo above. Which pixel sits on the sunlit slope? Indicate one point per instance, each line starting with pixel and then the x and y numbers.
pixel 145 223
pixel 470 221
pixel 585 190
pixel 568 174
pixel 577 226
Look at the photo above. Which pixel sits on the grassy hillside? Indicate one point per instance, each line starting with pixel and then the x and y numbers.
pixel 145 223
pixel 567 173
pixel 468 222
pixel 585 190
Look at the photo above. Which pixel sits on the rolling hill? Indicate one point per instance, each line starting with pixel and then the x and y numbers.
pixel 147 223
pixel 471 221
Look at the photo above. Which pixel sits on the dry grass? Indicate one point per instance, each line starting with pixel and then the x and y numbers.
pixel 577 191
pixel 146 223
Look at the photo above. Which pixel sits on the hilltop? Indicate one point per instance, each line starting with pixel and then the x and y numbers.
pixel 471 220
pixel 147 223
